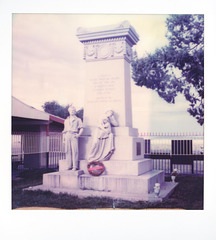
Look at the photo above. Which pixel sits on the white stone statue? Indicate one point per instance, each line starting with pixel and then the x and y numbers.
pixel 73 128
pixel 102 144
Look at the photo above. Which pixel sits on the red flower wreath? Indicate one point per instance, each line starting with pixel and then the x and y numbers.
pixel 95 168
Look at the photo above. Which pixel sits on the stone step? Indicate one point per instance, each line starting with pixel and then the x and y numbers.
pixel 122 184
pixel 135 168
pixel 114 183
pixel 64 179
pixel 166 190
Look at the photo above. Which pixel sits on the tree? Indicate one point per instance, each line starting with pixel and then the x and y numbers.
pixel 62 111
pixel 177 67
pixel 80 113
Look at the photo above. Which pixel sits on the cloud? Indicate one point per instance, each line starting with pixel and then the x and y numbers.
pixel 48 61
pixel 45 36
pixel 46 65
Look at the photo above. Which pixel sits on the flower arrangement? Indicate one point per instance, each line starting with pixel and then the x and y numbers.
pixel 157 189
pixel 95 168
pixel 175 172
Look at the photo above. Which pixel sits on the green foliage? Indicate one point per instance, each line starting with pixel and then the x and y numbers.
pixel 178 67
pixel 56 109
pixel 80 113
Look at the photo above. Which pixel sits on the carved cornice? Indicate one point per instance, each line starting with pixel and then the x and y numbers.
pixel 109 42
pixel 124 29
pixel 101 50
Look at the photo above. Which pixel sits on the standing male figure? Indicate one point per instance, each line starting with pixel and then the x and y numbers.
pixel 73 128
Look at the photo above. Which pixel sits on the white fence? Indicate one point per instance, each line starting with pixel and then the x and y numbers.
pixel 37 150
pixel 184 151
pixel 56 149
pixel 33 149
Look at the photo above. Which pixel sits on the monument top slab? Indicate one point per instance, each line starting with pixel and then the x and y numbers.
pixel 124 29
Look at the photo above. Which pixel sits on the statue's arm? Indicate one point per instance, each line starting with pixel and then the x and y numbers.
pixel 80 128
pixel 80 131
pixel 108 130
pixel 112 118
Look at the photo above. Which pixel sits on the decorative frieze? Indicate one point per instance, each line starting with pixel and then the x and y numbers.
pixel 101 50
pixel 109 42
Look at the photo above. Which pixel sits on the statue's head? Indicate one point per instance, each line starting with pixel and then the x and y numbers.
pixel 109 113
pixel 72 110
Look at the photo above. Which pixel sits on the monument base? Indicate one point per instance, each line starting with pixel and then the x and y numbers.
pixel 109 183
pixel 130 168
pixel 142 184
pixel 134 168
pixel 167 189
pixel 127 180
pixel 127 174
pixel 64 179
pixel 130 146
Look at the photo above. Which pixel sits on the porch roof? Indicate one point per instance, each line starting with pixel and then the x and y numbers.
pixel 22 110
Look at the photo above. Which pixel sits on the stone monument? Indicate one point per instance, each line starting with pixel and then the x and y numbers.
pixel 108 54
pixel 127 175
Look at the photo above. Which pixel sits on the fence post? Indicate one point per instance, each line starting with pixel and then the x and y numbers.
pixel 192 167
pixel 171 163
pixel 47 146
pixel 47 160
pixel 192 157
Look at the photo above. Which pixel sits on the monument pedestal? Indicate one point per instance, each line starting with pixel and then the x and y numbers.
pixel 127 172
pixel 129 145
pixel 142 184
pixel 117 167
pixel 64 179
pixel 166 190
pixel 125 187
pixel 63 166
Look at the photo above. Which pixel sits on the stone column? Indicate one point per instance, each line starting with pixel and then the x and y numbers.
pixel 108 54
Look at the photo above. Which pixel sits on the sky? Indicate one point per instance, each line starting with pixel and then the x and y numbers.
pixel 47 65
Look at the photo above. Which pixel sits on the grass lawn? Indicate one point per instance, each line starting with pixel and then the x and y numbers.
pixel 187 195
